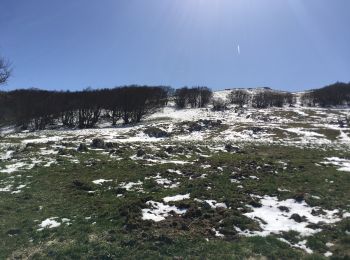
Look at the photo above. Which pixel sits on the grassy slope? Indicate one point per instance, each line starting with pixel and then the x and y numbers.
pixel 119 231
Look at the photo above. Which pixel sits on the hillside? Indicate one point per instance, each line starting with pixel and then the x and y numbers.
pixel 244 182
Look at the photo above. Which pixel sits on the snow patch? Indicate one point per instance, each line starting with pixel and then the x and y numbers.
pixel 159 211
pixel 176 198
pixel 344 164
pixel 274 220
pixel 101 181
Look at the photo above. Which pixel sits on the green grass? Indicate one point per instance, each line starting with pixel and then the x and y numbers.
pixel 104 226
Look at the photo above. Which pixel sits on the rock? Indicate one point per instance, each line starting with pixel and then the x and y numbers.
pixel 98 143
pixel 230 148
pixel 318 212
pixel 216 123
pixel 169 149
pixel 82 148
pixel 283 208
pixel 195 127
pixel 300 197
pixel 255 204
pixel 140 153
pixel 156 132
pixel 256 129
pixel 296 218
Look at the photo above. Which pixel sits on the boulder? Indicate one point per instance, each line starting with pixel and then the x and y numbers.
pixel 283 208
pixel 156 132
pixel 296 217
pixel 98 143
pixel 255 204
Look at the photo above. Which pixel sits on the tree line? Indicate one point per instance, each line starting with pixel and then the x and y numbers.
pixel 337 94
pixel 262 99
pixel 38 109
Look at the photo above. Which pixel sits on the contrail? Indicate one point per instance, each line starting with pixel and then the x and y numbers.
pixel 238 49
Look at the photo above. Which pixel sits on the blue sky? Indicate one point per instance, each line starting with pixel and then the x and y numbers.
pixel 73 44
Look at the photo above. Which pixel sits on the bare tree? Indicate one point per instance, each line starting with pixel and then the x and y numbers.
pixel 5 70
pixel 239 97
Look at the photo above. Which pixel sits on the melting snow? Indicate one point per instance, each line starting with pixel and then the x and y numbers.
pixel 49 223
pixel 52 223
pixel 159 211
pixel 344 164
pixel 131 186
pixel 176 198
pixel 101 181
pixel 16 167
pixel 300 245
pixel 42 140
pixel 213 203
pixel 274 220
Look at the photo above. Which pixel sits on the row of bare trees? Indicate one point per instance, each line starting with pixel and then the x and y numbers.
pixel 38 109
pixel 263 99
pixel 337 94
pixel 195 97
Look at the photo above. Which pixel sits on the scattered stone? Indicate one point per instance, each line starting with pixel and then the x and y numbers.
pixel 256 129
pixel 300 197
pixel 140 153
pixel 283 208
pixel 82 148
pixel 296 217
pixel 98 143
pixel 195 127
pixel 255 204
pixel 232 149
pixel 169 149
pixel 317 212
pixel 156 132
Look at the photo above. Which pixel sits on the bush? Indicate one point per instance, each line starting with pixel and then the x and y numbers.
pixel 219 105
pixel 239 97
pixel 268 98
